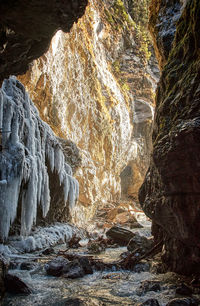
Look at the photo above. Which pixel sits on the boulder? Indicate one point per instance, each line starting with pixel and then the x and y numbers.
pixel 141 242
pixel 85 264
pixel 56 266
pixel 120 235
pixel 69 269
pixel 96 247
pixel 147 286
pixel 14 284
pixel 73 270
pixel 28 265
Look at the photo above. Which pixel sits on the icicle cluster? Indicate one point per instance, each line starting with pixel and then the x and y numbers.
pixel 26 144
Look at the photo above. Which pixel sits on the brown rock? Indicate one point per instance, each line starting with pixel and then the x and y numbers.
pixel 120 235
pixel 88 98
pixel 170 194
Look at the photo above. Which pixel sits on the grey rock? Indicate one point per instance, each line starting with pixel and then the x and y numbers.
pixel 27 265
pixel 147 286
pixel 56 266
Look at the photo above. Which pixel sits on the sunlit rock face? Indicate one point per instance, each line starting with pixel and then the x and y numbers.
pixel 95 86
pixel 36 181
pixel 27 27
pixel 162 24
pixel 170 194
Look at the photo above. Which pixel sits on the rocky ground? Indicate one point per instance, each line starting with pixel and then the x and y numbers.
pixel 123 213
pixel 119 249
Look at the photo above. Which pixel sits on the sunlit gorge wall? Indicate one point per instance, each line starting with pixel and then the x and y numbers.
pixel 90 87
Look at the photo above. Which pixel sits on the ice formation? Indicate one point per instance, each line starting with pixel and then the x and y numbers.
pixel 40 238
pixel 27 143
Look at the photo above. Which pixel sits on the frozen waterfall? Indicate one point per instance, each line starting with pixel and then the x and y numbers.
pixel 26 144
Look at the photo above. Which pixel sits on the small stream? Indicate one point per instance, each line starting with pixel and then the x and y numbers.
pixel 100 288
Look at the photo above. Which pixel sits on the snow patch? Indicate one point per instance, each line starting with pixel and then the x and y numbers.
pixel 42 237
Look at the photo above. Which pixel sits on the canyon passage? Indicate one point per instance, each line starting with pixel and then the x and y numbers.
pixel 99 152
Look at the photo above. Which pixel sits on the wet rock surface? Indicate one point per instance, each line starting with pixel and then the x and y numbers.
pixel 75 276
pixel 56 266
pixel 68 269
pixel 170 193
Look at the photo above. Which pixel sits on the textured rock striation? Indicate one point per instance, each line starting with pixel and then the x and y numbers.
pixel 27 27
pixel 96 86
pixel 170 194
pixel 34 175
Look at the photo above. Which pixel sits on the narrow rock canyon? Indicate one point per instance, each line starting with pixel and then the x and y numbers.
pixel 99 124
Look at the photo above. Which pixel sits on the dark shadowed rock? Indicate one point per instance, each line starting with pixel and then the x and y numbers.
pixel 74 302
pixel 14 284
pixel 76 272
pixel 48 251
pixel 143 266
pixel 162 24
pixel 56 266
pixel 141 242
pixel 27 28
pixel 150 302
pixel 69 269
pixel 183 289
pixel 170 194
pixel 85 264
pixel 3 271
pixel 120 235
pixel 147 286
pixel 183 302
pixel 73 269
pixel 27 265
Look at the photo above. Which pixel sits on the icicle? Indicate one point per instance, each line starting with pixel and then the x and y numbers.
pixel 29 143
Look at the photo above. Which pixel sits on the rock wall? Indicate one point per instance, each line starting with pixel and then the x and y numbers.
pixel 96 86
pixel 27 28
pixel 170 194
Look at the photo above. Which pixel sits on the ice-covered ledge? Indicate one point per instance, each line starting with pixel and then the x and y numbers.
pixel 29 154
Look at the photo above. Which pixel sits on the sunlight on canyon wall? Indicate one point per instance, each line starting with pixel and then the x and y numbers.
pixel 95 86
